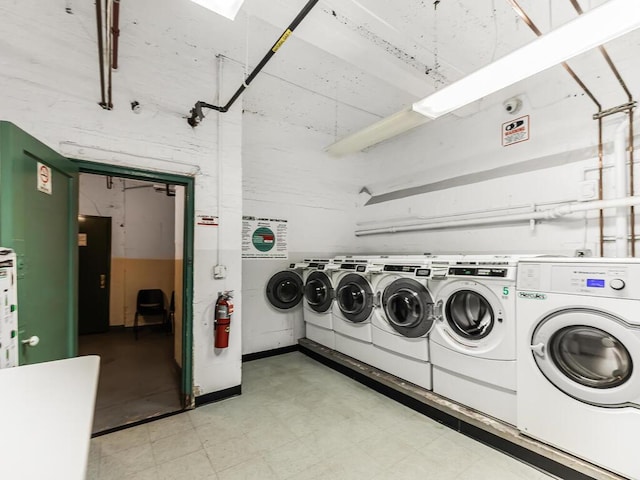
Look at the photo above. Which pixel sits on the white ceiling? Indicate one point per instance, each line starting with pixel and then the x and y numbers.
pixel 348 64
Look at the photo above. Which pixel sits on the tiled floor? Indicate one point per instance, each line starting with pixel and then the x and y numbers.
pixel 298 419
pixel 138 378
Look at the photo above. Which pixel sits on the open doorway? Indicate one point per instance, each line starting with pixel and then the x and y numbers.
pixel 130 307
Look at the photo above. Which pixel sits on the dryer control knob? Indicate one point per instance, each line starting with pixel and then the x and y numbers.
pixel 617 284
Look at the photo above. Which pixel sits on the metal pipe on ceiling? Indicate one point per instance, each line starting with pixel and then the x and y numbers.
pixel 196 111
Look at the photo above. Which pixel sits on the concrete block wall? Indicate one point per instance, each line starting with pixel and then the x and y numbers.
pixel 287 175
pixel 50 87
pixel 465 150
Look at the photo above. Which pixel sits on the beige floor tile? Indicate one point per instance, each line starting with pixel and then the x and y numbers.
pixel 176 446
pixel 227 453
pixel 194 466
pixel 254 469
pixel 291 459
pixel 126 462
pixel 122 440
pixel 166 427
pixel 149 474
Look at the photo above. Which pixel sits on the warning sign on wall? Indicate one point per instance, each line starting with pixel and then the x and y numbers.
pixel 264 238
pixel 515 131
pixel 44 178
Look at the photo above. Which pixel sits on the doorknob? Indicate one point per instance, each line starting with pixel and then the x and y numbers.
pixel 31 341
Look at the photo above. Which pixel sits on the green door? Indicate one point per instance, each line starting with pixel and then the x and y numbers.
pixel 38 219
pixel 94 272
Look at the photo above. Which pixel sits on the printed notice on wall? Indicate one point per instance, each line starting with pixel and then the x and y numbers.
pixel 515 131
pixel 207 220
pixel 44 179
pixel 264 238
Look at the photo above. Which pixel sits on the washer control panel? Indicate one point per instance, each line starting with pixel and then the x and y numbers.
pixel 603 280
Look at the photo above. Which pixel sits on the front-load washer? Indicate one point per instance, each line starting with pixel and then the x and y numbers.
pixel 578 345
pixel 353 306
pixel 472 345
pixel 319 295
pixel 402 318
pixel 285 289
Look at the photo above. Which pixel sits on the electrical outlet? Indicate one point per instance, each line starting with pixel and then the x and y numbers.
pixel 219 271
pixel 588 190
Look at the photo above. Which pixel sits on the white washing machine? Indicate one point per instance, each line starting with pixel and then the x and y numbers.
pixel 285 289
pixel 402 318
pixel 319 295
pixel 472 345
pixel 578 347
pixel 353 306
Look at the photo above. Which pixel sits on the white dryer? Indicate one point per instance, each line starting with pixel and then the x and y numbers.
pixel 578 347
pixel 472 345
pixel 319 295
pixel 403 318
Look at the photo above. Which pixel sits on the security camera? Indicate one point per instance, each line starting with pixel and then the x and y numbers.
pixel 512 105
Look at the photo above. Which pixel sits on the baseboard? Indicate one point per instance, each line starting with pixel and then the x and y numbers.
pixel 219 395
pixel 270 353
pixel 135 424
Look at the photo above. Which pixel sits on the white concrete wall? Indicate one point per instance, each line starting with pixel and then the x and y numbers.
pixel 142 220
pixel 49 87
pixel 288 176
pixel 561 129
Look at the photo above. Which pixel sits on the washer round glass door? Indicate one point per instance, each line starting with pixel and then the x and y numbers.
pixel 285 289
pixel 318 292
pixel 589 355
pixel 408 307
pixel 355 298
pixel 469 314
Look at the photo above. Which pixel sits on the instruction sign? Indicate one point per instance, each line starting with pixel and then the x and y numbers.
pixel 44 178
pixel 515 131
pixel 264 238
pixel 208 220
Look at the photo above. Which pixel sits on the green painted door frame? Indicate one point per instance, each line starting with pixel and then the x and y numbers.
pixel 189 215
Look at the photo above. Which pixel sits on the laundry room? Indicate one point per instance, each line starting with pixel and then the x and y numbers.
pixel 367 199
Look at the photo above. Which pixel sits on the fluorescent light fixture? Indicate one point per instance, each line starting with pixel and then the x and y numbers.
pixel 596 27
pixel 226 8
pixel 384 129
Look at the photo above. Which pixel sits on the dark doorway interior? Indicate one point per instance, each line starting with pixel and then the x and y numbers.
pixel 94 258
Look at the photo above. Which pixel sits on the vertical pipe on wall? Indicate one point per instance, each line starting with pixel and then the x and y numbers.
pixel 115 32
pixel 107 17
pixel 631 186
pixel 103 102
pixel 600 165
pixel 620 178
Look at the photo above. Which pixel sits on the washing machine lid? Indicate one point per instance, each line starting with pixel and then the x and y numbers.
pixel 318 291
pixel 355 297
pixel 590 355
pixel 285 289
pixel 408 307
pixel 469 314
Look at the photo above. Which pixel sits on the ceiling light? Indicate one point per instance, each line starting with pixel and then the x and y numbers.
pixel 381 130
pixel 226 8
pixel 600 25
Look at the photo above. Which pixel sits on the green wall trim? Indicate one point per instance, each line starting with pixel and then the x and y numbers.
pixel 189 218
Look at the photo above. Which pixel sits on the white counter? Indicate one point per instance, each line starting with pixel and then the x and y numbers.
pixel 46 416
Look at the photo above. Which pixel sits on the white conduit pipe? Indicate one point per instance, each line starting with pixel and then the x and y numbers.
pixel 548 214
pixel 621 181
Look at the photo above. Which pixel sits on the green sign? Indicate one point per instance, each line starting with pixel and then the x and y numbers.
pixel 263 239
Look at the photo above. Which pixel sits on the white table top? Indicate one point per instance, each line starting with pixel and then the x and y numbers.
pixel 46 416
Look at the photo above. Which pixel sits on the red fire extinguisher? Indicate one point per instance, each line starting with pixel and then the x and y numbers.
pixel 224 309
